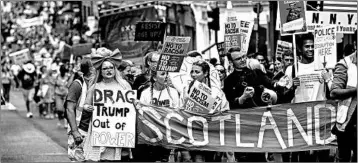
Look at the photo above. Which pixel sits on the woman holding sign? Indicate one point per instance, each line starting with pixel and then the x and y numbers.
pixel 106 62
pixel 216 100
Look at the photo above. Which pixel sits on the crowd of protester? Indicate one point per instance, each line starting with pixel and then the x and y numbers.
pixel 64 89
pixel 239 89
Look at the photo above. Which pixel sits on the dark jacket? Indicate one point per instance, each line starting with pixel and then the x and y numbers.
pixel 237 81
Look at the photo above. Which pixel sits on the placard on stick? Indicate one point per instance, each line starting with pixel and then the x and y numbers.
pixel 149 31
pixel 292 17
pixel 173 53
pixel 114 117
pixel 200 99
pixel 232 35
pixel 325 49
pixel 221 49
pixel 20 57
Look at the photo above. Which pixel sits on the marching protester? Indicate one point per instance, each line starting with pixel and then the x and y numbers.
pixel 27 76
pixel 126 72
pixel 48 84
pixel 106 62
pixel 222 74
pixel 142 80
pixel 6 79
pixel 200 72
pixel 61 90
pixel 160 94
pixel 73 105
pixel 344 89
pixel 244 86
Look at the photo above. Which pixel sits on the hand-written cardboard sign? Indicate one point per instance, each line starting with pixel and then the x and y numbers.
pixel 173 53
pixel 292 17
pixel 282 46
pixel 114 117
pixel 345 22
pixel 200 98
pixel 149 31
pixel 221 49
pixel 325 47
pixel 20 57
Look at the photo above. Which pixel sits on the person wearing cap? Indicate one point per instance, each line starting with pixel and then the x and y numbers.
pixel 27 77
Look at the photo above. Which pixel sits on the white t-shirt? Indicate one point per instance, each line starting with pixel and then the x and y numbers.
pixel 312 87
pixel 15 69
pixel 161 98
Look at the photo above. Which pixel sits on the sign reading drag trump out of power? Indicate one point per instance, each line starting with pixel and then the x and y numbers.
pixel 283 128
pixel 173 53
pixel 325 47
pixel 114 117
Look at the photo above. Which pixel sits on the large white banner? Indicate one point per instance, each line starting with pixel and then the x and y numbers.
pixel 345 22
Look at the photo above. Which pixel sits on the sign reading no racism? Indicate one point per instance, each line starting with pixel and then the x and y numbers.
pixel 149 31
pixel 173 53
pixel 114 117
pixel 325 47
pixel 200 98
pixel 284 128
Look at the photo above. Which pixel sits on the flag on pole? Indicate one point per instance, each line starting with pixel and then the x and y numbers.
pixel 339 6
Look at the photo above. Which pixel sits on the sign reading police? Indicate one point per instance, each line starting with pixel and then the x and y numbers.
pixel 325 47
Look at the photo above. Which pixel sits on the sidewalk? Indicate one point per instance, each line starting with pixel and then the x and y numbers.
pixel 22 142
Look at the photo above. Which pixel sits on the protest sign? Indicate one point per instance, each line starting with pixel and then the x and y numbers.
pixel 200 98
pixel 221 49
pixel 114 117
pixel 24 23
pixel 20 57
pixel 244 29
pixel 173 53
pixel 292 17
pixel 282 46
pixel 325 47
pixel 232 35
pixel 149 31
pixel 345 22
pixel 81 49
pixel 282 128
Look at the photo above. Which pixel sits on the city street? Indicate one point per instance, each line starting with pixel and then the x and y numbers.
pixel 30 140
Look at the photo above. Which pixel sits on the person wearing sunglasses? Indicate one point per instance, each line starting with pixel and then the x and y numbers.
pixel 222 74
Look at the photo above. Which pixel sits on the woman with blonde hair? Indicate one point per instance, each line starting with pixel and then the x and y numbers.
pixel 106 63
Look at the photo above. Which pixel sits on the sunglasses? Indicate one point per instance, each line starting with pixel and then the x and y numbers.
pixel 288 60
pixel 221 71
